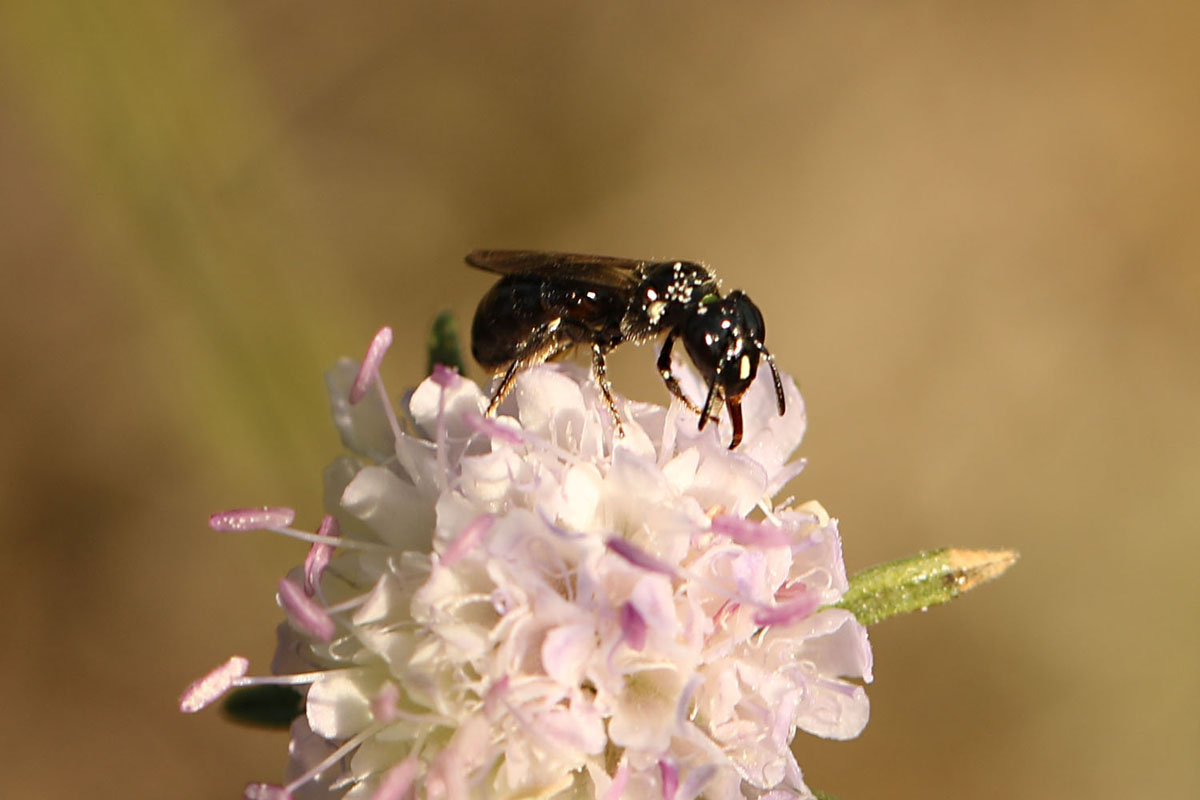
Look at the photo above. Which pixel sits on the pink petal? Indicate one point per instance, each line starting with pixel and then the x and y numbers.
pixel 566 650
pixel 788 612
pixel 398 780
pixel 749 534
pixel 495 694
pixel 384 705
pixel 670 780
pixel 618 782
pixel 633 627
pixel 467 539
pixel 492 428
pixel 636 556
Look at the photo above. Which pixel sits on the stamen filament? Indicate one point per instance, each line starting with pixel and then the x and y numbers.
pixel 336 541
pixel 337 755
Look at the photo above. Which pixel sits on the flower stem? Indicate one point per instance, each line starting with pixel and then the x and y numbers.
pixel 918 582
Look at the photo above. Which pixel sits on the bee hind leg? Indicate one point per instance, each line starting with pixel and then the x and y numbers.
pixel 541 346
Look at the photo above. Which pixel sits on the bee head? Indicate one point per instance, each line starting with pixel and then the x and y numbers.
pixel 725 339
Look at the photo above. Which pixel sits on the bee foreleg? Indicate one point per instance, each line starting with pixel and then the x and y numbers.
pixel 668 376
pixel 710 401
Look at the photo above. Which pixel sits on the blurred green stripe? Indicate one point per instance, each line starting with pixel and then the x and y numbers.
pixel 123 97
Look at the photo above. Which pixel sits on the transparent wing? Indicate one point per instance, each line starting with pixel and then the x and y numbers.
pixel 618 273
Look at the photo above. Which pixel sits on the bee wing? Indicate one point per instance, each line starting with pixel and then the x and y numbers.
pixel 618 273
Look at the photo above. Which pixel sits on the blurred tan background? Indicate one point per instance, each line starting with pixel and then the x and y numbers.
pixel 972 228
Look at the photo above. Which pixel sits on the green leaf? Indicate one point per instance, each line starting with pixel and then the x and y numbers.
pixel 918 582
pixel 442 344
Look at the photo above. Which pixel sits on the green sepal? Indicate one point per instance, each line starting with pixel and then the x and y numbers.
pixel 918 582
pixel 442 344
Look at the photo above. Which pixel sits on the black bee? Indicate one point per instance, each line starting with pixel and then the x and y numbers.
pixel 547 303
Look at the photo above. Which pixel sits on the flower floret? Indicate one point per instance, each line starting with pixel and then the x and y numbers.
pixel 535 605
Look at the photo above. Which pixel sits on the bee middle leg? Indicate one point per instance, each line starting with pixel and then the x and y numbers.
pixel 600 370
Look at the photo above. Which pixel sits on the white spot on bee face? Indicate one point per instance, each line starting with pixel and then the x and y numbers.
pixel 725 324
pixel 591 295
pixel 655 310
pixel 553 326
pixel 651 295
pixel 744 368
pixel 708 338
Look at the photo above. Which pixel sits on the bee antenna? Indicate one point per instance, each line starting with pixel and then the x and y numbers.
pixel 775 375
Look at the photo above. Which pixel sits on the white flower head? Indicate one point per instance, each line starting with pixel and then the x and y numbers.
pixel 533 606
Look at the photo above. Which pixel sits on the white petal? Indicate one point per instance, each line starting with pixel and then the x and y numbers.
pixel 727 480
pixel 566 652
pixel 398 513
pixel 385 602
pixel 489 478
pixel 835 710
pixel 580 498
pixel 645 715
pixel 364 426
pixel 769 438
pixel 337 705
pixel 653 597
pixel 430 399
pixel 680 471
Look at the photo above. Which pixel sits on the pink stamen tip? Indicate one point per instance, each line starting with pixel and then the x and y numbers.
pixel 445 377
pixel 670 780
pixel 749 534
pixel 492 428
pixel 494 694
pixel 265 791
pixel 209 688
pixel 252 519
pixel 398 781
pixel 385 704
pixel 636 556
pixel 788 612
pixel 369 371
pixel 467 539
pixel 319 555
pixel 633 627
pixel 618 782
pixel 304 612
pixel 329 527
